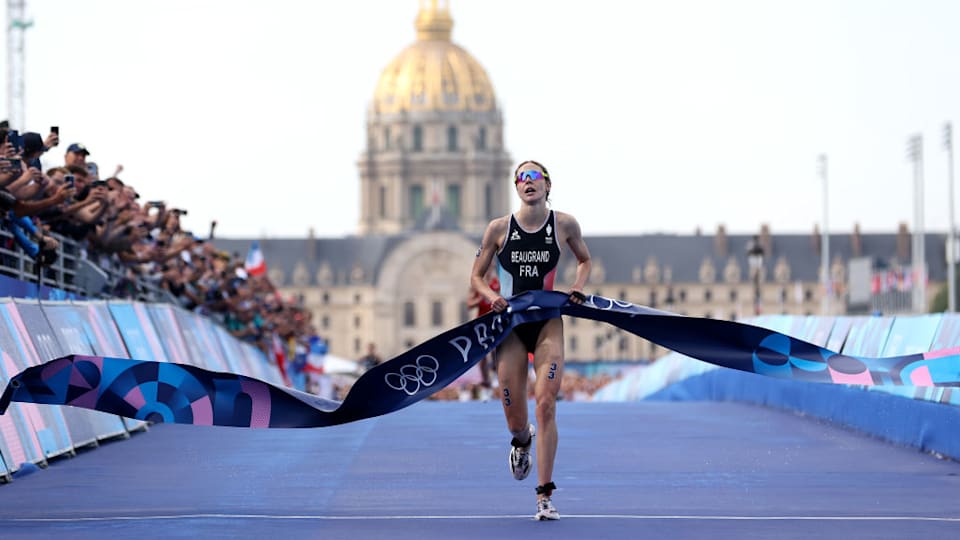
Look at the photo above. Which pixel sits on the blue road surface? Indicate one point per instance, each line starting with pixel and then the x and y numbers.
pixel 439 470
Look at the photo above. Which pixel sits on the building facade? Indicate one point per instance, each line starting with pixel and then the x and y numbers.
pixel 435 171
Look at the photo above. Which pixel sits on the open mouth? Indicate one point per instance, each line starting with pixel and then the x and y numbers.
pixel 530 189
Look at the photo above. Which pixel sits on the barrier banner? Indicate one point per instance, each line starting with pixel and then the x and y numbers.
pixel 170 335
pixel 816 330
pixel 187 394
pixel 56 329
pixel 44 426
pixel 18 443
pixel 105 338
pixel 948 332
pixel 867 336
pixel 839 333
pixel 200 341
pixel 257 362
pixel 234 353
pixel 136 329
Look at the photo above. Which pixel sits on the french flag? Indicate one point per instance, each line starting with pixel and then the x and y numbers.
pixel 255 265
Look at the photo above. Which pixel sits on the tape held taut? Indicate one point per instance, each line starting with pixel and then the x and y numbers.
pixel 203 397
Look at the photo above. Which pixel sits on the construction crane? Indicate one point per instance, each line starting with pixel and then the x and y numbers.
pixel 17 26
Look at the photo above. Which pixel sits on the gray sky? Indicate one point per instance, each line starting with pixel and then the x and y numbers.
pixel 653 116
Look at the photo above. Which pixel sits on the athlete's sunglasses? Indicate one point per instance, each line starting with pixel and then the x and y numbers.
pixel 529 176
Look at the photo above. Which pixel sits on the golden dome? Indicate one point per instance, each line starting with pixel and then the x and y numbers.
pixel 433 74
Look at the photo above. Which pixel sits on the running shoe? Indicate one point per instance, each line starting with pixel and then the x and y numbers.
pixel 545 510
pixel 520 455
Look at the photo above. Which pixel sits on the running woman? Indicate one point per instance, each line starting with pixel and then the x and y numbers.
pixel 527 247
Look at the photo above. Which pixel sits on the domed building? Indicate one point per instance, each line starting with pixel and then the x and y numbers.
pixel 435 171
pixel 435 155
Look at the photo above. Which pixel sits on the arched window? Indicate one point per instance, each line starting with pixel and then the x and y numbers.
pixel 482 138
pixel 409 316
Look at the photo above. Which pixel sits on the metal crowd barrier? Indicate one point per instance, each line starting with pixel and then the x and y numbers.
pixel 75 273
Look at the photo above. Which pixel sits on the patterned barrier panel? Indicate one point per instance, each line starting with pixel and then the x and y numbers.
pixel 89 327
pixel 236 356
pixel 839 333
pixel 57 329
pixel 201 341
pixel 19 443
pixel 816 330
pixel 137 331
pixel 257 360
pixel 867 336
pixel 910 335
pixel 948 335
pixel 43 431
pixel 170 335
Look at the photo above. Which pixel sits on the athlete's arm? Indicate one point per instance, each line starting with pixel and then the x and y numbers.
pixel 571 229
pixel 488 250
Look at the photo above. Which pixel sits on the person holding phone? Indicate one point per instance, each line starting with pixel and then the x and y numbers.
pixel 526 248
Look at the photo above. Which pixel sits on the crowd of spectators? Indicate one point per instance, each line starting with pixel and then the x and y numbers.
pixel 140 242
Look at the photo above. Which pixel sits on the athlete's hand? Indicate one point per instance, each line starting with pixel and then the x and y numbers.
pixel 499 304
pixel 577 296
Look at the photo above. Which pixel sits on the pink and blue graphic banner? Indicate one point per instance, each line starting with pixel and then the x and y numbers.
pixel 174 392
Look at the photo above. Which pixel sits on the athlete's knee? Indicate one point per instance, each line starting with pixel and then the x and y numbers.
pixel 546 406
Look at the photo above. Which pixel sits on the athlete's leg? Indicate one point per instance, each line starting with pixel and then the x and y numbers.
pixel 512 374
pixel 548 364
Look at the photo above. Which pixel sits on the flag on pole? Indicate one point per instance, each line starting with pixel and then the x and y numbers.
pixel 255 265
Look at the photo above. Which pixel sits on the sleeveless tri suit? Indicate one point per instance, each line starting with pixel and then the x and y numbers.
pixel 528 261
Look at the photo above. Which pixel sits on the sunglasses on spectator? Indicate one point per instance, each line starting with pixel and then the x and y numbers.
pixel 529 176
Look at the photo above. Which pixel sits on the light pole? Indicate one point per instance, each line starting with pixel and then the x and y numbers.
pixel 755 262
pixel 952 234
pixel 915 151
pixel 825 244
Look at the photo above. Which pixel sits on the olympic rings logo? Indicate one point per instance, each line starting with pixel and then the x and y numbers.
pixel 423 372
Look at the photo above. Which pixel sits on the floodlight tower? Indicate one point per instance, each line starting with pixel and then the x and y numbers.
pixel 915 152
pixel 17 26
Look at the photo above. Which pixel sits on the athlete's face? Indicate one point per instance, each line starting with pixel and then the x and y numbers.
pixel 531 183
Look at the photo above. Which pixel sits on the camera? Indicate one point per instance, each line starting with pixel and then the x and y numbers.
pixel 69 179
pixel 55 130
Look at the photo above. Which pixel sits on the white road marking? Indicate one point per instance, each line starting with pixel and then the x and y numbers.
pixel 469 517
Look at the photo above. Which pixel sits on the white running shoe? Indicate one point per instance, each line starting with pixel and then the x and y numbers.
pixel 520 455
pixel 546 511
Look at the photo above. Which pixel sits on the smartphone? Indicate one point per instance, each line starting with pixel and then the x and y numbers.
pixel 13 137
pixel 69 179
pixel 55 130
pixel 154 203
